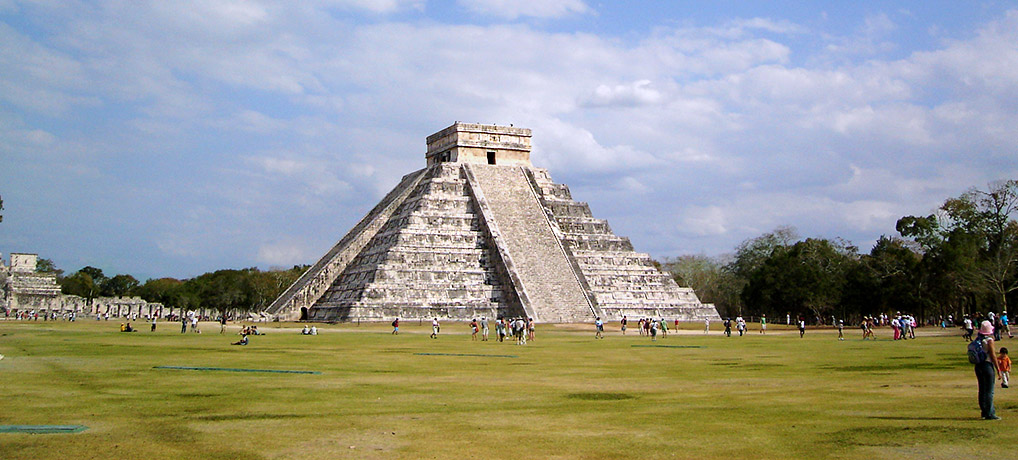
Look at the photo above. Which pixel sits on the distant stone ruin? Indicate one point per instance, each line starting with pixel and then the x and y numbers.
pixel 481 232
pixel 26 289
pixel 23 289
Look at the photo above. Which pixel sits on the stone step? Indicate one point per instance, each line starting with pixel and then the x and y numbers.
pixel 546 275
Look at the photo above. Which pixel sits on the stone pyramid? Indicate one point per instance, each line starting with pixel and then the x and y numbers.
pixel 481 232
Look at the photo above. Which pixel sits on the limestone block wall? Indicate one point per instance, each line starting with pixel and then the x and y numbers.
pixel 620 280
pixel 431 258
pixel 300 297
pixel 544 268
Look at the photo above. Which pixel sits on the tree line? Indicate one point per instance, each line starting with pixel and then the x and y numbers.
pixel 961 259
pixel 227 290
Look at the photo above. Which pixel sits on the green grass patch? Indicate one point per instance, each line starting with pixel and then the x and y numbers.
pixel 565 395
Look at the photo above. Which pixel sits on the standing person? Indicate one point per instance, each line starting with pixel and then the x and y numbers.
pixel 500 329
pixel 484 328
pixel 967 324
pixel 531 328
pixel 653 330
pixel 1004 367
pixel 222 323
pixel 664 328
pixel 1003 320
pixel 998 326
pixel 473 329
pixel 183 324
pixel 802 327
pixel 763 324
pixel 740 324
pixel 434 328
pixel 395 326
pixel 985 368
pixel 624 322
pixel 639 326
pixel 728 327
pixel 599 325
pixel 154 318
pixel 706 325
pixel 841 329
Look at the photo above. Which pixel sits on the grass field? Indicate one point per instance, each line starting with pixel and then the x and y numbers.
pixel 562 396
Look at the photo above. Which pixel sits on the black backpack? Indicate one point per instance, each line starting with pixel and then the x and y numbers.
pixel 977 350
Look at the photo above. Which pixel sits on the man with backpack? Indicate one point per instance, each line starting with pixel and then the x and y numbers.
pixel 983 356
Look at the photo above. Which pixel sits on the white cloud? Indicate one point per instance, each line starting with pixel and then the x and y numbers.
pixel 294 114
pixel 628 95
pixel 512 9
pixel 284 253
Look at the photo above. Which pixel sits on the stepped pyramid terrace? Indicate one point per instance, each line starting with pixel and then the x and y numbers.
pixel 482 232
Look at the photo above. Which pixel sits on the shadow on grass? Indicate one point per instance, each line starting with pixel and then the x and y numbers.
pixel 600 396
pixel 908 419
pixel 228 417
pixel 889 436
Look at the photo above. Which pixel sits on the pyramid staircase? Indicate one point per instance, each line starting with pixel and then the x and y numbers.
pixel 465 238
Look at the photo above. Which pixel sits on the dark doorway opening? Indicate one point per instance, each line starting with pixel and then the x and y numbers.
pixel 303 313
pixel 491 158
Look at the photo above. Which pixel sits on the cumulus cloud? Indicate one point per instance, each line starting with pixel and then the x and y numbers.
pixel 283 118
pixel 628 95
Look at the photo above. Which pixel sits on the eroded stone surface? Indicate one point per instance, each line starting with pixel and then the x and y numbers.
pixel 481 232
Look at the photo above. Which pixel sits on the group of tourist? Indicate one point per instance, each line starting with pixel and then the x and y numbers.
pixel 313 330
pixel 32 315
pixel 521 329
pixel 740 326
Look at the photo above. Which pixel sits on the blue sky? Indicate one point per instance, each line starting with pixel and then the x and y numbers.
pixel 175 138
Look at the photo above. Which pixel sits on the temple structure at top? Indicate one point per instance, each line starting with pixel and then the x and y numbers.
pixel 481 232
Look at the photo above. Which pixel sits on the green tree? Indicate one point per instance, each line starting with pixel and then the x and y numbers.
pixel 80 284
pixel 162 290
pixel 710 278
pixel 971 248
pixel 119 285
pixel 47 266
pixel 807 278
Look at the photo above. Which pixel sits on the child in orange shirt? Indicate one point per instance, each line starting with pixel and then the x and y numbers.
pixel 1003 366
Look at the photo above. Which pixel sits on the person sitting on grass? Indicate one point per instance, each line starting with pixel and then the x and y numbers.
pixel 242 341
pixel 306 330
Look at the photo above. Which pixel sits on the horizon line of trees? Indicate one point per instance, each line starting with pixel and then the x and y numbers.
pixel 243 290
pixel 961 259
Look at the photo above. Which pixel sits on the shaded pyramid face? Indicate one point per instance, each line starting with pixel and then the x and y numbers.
pixel 481 233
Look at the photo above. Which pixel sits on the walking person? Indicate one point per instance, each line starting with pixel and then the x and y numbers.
pixel 624 321
pixel 728 327
pixel 841 329
pixel 395 326
pixel 222 324
pixel 763 324
pixel 802 327
pixel 982 352
pixel 484 328
pixel 473 330
pixel 434 328
pixel 599 325
pixel 706 325
pixel 154 318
